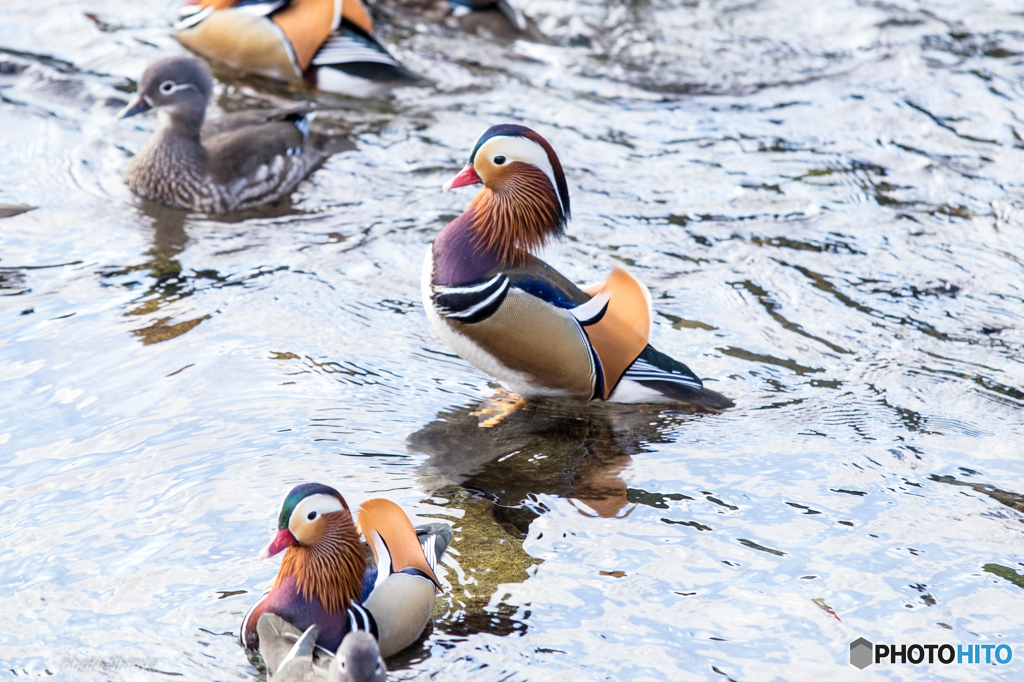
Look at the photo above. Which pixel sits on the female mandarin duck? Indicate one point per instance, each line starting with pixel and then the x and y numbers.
pixel 233 162
pixel 515 317
pixel 324 579
pixel 291 655
pixel 329 44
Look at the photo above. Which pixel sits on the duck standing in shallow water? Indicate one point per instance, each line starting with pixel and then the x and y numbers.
pixel 234 162
pixel 515 317
pixel 328 44
pixel 324 579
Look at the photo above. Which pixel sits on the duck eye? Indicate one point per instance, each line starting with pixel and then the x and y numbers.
pixel 342 663
pixel 167 87
pixel 498 160
pixel 311 515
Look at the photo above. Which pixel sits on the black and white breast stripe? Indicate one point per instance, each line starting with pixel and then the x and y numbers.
pixel 358 619
pixel 361 619
pixel 641 370
pixel 474 302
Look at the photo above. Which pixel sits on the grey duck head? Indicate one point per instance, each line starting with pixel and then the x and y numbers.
pixel 358 660
pixel 179 86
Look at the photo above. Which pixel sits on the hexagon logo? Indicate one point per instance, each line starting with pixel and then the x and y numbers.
pixel 861 653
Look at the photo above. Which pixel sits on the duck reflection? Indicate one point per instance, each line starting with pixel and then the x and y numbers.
pixel 169 283
pixel 494 475
pixel 570 449
pixel 169 239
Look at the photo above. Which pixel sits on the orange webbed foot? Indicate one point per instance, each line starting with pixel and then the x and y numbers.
pixel 496 408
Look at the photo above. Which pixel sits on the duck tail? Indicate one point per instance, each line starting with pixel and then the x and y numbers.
pixel 394 541
pixel 434 539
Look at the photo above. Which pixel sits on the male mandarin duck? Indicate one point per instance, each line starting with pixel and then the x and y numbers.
pixel 324 579
pixel 515 317
pixel 233 162
pixel 329 44
pixel 291 655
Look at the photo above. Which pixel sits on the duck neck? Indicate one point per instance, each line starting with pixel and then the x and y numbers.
pixel 186 124
pixel 458 256
pixel 518 216
pixel 331 569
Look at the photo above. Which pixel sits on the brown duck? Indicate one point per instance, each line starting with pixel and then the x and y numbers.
pixel 233 162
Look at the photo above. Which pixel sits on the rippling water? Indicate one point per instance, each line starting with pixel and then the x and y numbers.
pixel 826 201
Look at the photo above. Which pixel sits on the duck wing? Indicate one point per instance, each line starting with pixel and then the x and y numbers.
pixel 261 161
pixel 617 321
pixel 615 316
pixel 357 52
pixel 434 538
pixel 395 543
pixel 290 654
pixel 402 601
pixel 656 377
pixel 299 116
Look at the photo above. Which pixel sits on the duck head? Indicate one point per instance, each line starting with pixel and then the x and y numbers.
pixel 524 200
pixel 321 544
pixel 177 86
pixel 358 660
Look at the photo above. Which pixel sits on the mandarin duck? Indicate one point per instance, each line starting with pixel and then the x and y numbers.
pixel 358 660
pixel 233 162
pixel 513 316
pixel 328 44
pixel 325 579
pixel 291 655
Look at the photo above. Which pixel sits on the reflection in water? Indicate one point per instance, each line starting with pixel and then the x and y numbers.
pixel 169 284
pixel 495 475
pixel 1010 499
pixel 573 450
pixel 569 449
pixel 840 246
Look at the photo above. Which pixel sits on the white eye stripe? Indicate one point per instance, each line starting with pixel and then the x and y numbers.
pixel 170 87
pixel 319 504
pixel 521 149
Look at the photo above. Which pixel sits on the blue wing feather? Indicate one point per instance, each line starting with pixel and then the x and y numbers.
pixel 545 291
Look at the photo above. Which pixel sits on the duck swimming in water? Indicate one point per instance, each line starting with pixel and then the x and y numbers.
pixel 233 162
pixel 328 44
pixel 325 580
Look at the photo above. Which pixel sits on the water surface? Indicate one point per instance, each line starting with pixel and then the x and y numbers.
pixel 826 202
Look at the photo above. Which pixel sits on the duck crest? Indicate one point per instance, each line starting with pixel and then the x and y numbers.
pixel 519 216
pixel 331 569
